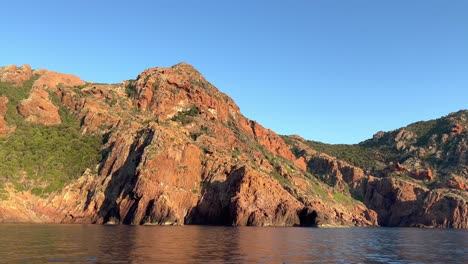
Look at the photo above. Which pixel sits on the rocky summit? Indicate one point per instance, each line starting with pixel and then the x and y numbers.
pixel 168 148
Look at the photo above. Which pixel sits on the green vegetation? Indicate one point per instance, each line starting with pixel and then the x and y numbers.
pixel 343 198
pixel 15 95
pixel 200 83
pixel 318 190
pixel 203 131
pixel 357 196
pixel 43 158
pixel 425 130
pixel 195 135
pixel 111 102
pixel 356 155
pixel 187 116
pixel 130 89
pixel 3 193
pixel 236 153
pixel 282 180
pixel 422 128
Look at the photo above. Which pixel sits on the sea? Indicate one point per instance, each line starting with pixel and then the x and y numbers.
pixel 52 243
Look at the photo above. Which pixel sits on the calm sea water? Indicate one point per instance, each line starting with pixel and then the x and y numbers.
pixel 21 243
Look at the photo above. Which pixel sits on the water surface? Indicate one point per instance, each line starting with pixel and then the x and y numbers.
pixel 22 243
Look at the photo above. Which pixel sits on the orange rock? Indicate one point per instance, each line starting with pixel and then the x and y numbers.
pixel 215 169
pixel 3 105
pixel 399 167
pixel 53 80
pixel 270 140
pixel 3 109
pixel 261 201
pixel 39 109
pixel 403 203
pixel 301 163
pixel 167 91
pixel 456 129
pixel 425 175
pixel 456 183
pixel 14 75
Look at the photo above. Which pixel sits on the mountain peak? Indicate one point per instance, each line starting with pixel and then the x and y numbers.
pixel 167 91
pixel 185 66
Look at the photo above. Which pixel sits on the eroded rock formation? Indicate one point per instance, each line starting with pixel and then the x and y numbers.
pixel 38 109
pixel 4 128
pixel 177 151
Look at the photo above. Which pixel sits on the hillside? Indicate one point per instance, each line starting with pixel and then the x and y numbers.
pixel 417 174
pixel 168 148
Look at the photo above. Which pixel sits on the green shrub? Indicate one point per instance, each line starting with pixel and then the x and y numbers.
pixel 199 83
pixel 130 89
pixel 49 155
pixel 343 198
pixel 15 95
pixel 195 135
pixel 187 116
pixel 282 180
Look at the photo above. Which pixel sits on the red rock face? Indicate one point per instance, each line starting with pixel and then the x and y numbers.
pixel 401 203
pixel 53 80
pixel 15 75
pixel 167 91
pixel 425 175
pixel 457 183
pixel 396 201
pixel 271 141
pixel 335 172
pixel 3 109
pixel 261 201
pixel 38 109
pixel 457 129
pixel 177 151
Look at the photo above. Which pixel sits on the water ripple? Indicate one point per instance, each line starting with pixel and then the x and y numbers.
pixel 201 244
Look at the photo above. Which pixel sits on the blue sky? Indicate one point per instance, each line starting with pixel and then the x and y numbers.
pixel 332 71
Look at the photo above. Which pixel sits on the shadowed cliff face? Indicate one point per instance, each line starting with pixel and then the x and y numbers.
pixel 177 151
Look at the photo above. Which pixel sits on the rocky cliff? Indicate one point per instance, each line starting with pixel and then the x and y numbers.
pixel 168 148
pixel 412 176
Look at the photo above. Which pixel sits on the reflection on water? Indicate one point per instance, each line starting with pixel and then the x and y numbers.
pixel 20 243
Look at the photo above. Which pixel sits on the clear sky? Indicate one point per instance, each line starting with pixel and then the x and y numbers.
pixel 328 70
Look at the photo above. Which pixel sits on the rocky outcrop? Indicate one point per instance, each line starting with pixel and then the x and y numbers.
pixel 271 141
pixel 402 203
pixel 335 172
pixel 39 109
pixel 456 183
pixel 397 200
pixel 4 128
pixel 14 75
pixel 456 129
pixel 177 151
pixel 429 150
pixel 54 80
pixel 424 175
pixel 167 91
pixel 443 208
pixel 419 174
pixel 245 197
